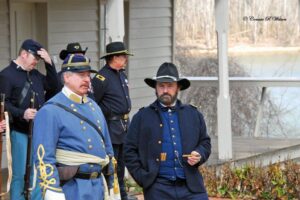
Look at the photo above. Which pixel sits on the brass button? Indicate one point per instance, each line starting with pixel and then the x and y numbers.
pixel 91 165
pixel 99 127
pixel 160 125
pixel 98 121
pixel 90 146
pixel 72 105
pixel 75 110
pixel 89 140
pixel 81 122
pixel 84 128
pixel 157 160
pixel 159 142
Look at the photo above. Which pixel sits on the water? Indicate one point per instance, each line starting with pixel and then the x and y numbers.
pixel 282 64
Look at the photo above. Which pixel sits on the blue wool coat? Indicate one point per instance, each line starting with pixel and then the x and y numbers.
pixel 142 145
pixel 55 128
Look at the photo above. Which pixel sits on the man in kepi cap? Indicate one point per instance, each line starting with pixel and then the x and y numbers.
pixel 19 81
pixel 167 142
pixel 110 87
pixel 71 139
pixel 72 48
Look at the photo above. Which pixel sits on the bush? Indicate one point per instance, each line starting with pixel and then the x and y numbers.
pixel 277 181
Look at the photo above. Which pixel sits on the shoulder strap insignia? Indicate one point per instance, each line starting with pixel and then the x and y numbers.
pixel 100 77
pixel 194 106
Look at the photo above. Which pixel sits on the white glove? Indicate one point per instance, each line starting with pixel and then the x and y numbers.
pixel 51 195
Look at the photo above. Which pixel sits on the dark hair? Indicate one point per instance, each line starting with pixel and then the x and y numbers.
pixel 109 58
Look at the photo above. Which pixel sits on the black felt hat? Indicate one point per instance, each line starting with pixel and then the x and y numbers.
pixel 116 48
pixel 168 72
pixel 32 47
pixel 71 49
pixel 76 63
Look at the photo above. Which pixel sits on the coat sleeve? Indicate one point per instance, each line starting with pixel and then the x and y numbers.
pixel 99 85
pixel 204 142
pixel 108 148
pixel 51 81
pixel 131 152
pixel 45 137
pixel 6 87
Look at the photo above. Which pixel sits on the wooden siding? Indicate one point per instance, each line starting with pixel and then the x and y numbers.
pixel 74 21
pixel 4 54
pixel 151 41
pixel 4 35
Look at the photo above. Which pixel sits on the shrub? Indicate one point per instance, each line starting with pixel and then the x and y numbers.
pixel 277 181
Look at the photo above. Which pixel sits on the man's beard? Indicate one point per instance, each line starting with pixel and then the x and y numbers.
pixel 167 99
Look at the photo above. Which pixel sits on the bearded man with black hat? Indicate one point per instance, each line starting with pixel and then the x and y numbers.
pixel 110 87
pixel 18 81
pixel 167 142
pixel 71 141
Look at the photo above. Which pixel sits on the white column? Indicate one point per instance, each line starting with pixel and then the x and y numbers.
pixel 223 101
pixel 115 20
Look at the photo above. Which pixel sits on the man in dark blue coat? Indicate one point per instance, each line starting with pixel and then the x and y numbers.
pixel 110 89
pixel 18 81
pixel 167 142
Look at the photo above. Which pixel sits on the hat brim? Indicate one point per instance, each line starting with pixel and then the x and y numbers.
pixel 64 53
pixel 34 53
pixel 78 70
pixel 117 53
pixel 182 82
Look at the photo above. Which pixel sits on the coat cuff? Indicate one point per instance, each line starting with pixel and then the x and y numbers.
pixel 51 195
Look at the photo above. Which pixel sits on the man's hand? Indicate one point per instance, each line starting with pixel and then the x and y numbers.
pixel 45 56
pixel 2 126
pixel 194 158
pixel 29 114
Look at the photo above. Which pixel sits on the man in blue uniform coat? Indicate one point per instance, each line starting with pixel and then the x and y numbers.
pixel 110 87
pixel 72 48
pixel 18 81
pixel 167 142
pixel 71 139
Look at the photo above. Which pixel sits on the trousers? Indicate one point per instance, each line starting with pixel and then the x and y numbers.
pixel 19 142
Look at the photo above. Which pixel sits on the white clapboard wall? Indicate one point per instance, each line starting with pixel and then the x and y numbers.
pixel 151 41
pixel 4 35
pixel 74 21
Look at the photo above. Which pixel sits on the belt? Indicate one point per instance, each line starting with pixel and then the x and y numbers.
pixel 118 117
pixel 92 175
pixel 177 182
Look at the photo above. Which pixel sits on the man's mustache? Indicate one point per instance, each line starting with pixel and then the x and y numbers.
pixel 166 94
